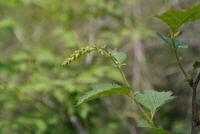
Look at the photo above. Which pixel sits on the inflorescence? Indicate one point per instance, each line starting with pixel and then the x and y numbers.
pixel 82 51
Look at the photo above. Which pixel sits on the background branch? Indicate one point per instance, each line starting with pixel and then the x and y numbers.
pixel 194 107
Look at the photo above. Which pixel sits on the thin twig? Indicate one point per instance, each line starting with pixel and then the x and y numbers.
pixel 142 110
pixel 116 64
pixel 194 107
pixel 37 99
pixel 122 74
pixel 176 53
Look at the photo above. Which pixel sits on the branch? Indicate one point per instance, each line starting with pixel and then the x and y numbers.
pixel 196 82
pixel 194 107
pixel 48 105
pixel 77 124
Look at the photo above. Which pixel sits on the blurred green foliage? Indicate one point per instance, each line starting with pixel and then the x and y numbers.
pixel 37 94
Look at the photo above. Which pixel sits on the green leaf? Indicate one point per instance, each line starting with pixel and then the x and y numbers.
pixel 120 57
pixel 145 123
pixel 8 23
pixel 178 133
pixel 177 34
pixel 176 18
pixel 103 90
pixel 197 101
pixel 196 65
pixel 176 62
pixel 160 131
pixel 153 100
pixel 179 44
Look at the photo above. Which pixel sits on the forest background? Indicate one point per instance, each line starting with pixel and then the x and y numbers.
pixel 38 94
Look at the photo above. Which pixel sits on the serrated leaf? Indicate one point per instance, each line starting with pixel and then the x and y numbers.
pixel 196 65
pixel 145 123
pixel 103 90
pixel 153 100
pixel 176 18
pixel 120 57
pixel 160 131
pixel 179 44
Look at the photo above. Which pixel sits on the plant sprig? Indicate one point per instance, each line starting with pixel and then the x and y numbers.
pixel 103 52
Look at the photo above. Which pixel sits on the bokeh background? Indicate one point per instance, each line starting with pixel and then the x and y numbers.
pixel 38 94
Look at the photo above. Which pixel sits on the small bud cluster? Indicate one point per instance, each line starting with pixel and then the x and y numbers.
pixel 80 52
